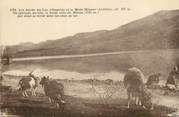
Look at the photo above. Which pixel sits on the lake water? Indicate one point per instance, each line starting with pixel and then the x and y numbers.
pixel 115 63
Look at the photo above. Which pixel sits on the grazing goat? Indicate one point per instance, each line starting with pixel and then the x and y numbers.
pixel 153 80
pixel 54 90
pixel 171 83
pixel 133 81
pixel 28 83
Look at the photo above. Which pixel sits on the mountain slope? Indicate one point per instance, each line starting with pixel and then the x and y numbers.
pixel 157 31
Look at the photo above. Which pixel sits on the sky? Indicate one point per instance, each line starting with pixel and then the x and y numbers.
pixel 15 30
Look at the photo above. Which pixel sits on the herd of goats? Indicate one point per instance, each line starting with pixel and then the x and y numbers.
pixel 133 82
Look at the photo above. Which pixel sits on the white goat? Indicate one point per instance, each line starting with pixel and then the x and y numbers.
pixel 28 83
pixel 133 81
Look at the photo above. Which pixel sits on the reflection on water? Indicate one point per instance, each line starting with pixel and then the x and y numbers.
pixel 5 114
pixel 62 74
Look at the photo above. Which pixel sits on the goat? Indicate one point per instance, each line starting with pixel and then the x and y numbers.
pixel 134 84
pixel 171 83
pixel 28 83
pixel 153 80
pixel 54 90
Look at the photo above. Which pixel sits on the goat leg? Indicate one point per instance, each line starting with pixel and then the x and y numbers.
pixel 33 91
pixel 49 99
pixel 23 94
pixel 136 100
pixel 128 101
pixel 58 105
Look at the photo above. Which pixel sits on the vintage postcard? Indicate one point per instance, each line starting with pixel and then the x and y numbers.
pixel 89 58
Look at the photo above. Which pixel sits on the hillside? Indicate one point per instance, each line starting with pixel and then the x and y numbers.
pixel 157 31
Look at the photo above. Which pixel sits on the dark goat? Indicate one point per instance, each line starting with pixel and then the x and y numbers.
pixel 54 90
pixel 153 80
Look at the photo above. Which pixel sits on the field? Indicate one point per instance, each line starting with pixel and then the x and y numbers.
pixel 85 87
pixel 90 98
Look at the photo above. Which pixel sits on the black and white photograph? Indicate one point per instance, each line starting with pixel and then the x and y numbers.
pixel 89 58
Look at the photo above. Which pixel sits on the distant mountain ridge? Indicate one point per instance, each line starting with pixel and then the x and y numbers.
pixel 157 31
